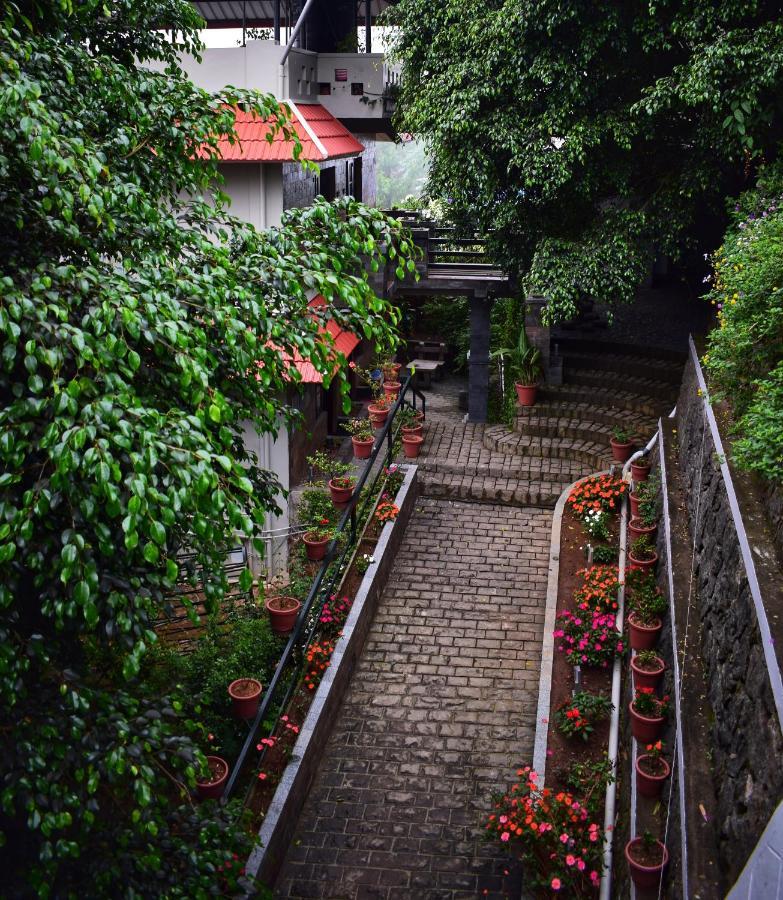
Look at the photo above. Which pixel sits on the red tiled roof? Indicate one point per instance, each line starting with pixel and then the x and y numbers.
pixel 321 135
pixel 345 342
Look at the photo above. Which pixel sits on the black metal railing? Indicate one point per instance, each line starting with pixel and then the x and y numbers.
pixel 334 566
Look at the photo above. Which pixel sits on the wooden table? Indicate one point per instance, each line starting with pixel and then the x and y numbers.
pixel 424 369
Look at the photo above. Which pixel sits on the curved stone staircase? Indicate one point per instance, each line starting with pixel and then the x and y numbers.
pixel 563 437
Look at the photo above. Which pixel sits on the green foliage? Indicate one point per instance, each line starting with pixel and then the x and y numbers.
pixel 316 508
pixel 577 717
pixel 583 138
pixel 140 327
pixel 745 353
pixel 604 554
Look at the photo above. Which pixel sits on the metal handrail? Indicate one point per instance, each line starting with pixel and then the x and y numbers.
pixel 348 519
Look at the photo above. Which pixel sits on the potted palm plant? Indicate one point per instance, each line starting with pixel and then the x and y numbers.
pixel 524 365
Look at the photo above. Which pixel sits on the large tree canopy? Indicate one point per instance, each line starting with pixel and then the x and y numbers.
pixel 586 135
pixel 140 326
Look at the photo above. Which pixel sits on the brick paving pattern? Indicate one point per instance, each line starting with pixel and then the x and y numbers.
pixel 440 712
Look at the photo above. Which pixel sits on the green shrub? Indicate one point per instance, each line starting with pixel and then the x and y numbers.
pixel 745 353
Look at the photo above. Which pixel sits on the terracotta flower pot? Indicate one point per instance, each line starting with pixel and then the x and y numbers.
pixel 246 695
pixel 526 394
pixel 647 783
pixel 213 789
pixel 418 415
pixel 621 452
pixel 411 445
pixel 378 414
pixel 408 430
pixel 643 874
pixel 644 729
pixel 643 637
pixel 282 613
pixel 362 447
pixel 315 547
pixel 395 370
pixel 634 499
pixel 391 388
pixel 643 565
pixel 646 677
pixel 640 472
pixel 341 495
pixel 637 529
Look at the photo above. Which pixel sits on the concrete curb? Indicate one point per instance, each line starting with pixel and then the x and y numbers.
pixel 548 641
pixel 279 824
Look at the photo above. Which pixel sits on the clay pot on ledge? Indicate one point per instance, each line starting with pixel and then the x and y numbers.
pixel 621 452
pixel 638 529
pixel 634 501
pixel 378 414
pixel 392 389
pixel 411 445
pixel 651 772
pixel 643 637
pixel 644 729
pixel 646 867
pixel 246 695
pixel 644 677
pixel 315 547
pixel 214 787
pixel 341 490
pixel 412 429
pixel 282 613
pixel 640 470
pixel 526 393
pixel 643 565
pixel 362 447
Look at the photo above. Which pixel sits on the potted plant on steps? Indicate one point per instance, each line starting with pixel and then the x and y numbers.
pixel 282 613
pixel 211 786
pixel 524 366
pixel 412 421
pixel 646 858
pixel 646 491
pixel 642 555
pixel 362 437
pixel 648 715
pixel 647 668
pixel 379 410
pixel 621 443
pixel 316 540
pixel 245 695
pixel 651 771
pixel 341 485
pixel 411 445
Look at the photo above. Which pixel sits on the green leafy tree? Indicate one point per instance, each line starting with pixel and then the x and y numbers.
pixel 584 135
pixel 140 327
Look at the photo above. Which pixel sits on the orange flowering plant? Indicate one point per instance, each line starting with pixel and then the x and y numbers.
pixel 598 590
pixel 386 511
pixel 553 833
pixel 577 716
pixel 318 656
pixel 599 492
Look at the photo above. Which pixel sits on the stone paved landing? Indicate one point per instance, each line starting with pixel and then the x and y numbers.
pixel 440 712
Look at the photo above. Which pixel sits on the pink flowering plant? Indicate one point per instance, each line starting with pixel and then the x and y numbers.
pixel 335 612
pixel 553 833
pixel 588 638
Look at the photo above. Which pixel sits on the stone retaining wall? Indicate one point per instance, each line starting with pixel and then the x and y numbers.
pixel 747 741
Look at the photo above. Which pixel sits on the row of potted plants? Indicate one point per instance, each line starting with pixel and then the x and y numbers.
pixel 646 856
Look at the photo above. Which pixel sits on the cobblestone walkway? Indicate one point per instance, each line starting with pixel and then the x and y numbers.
pixel 440 712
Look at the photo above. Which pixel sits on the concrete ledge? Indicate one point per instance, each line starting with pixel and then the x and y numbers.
pixel 278 827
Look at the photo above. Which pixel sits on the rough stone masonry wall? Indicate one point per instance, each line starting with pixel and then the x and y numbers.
pixel 748 746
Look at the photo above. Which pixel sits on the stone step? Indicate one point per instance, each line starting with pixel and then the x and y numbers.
pixel 624 364
pixel 605 396
pixel 642 386
pixel 593 454
pixel 578 429
pixel 570 343
pixel 509 466
pixel 501 491
pixel 585 412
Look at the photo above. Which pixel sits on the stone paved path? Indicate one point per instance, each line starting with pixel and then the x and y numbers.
pixel 440 712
